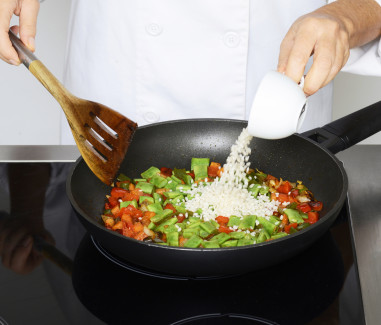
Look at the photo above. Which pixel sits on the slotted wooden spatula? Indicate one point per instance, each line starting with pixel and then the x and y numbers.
pixel 102 135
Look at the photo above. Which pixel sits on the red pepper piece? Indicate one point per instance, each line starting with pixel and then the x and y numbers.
pixel 312 217
pixel 284 188
pixel 225 229
pixel 304 207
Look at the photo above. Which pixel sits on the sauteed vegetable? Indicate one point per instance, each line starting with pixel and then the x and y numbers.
pixel 161 207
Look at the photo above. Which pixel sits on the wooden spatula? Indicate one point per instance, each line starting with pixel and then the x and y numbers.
pixel 102 135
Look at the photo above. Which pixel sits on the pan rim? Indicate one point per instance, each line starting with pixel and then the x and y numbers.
pixel 327 218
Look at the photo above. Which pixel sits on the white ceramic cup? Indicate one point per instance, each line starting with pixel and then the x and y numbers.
pixel 279 107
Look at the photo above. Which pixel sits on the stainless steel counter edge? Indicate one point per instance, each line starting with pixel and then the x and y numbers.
pixel 362 163
pixel 39 153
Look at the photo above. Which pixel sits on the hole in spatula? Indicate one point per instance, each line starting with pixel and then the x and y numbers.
pixel 98 137
pixel 104 126
pixel 95 151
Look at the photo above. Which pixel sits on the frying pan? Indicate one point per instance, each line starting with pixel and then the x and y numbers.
pixel 308 157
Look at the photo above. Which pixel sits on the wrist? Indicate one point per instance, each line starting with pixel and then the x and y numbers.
pixel 361 20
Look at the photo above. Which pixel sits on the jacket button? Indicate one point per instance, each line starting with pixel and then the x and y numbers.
pixel 231 39
pixel 151 117
pixel 154 29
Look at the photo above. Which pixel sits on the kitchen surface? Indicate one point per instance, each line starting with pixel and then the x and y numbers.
pixel 335 281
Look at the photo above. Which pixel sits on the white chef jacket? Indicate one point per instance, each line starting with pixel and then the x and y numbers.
pixel 158 60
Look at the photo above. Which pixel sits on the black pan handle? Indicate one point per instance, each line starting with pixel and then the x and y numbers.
pixel 348 130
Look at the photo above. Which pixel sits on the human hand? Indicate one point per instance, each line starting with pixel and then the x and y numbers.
pixel 327 33
pixel 27 10
pixel 16 244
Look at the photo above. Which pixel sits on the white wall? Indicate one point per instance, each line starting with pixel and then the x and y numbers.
pixel 30 115
pixel 353 92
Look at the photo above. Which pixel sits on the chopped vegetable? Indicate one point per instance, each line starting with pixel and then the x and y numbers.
pixel 154 208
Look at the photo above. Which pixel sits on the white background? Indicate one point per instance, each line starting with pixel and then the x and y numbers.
pixel 29 115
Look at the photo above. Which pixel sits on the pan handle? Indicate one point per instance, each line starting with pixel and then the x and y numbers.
pixel 345 132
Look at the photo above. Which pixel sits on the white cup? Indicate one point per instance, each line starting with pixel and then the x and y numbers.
pixel 279 107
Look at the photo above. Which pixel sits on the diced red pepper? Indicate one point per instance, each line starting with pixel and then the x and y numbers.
pixel 288 227
pixel 316 205
pixel 115 210
pixel 170 207
pixel 295 193
pixel 312 217
pixel 304 207
pixel 127 231
pixel 222 220
pixel 141 235
pixel 213 169
pixel 282 198
pixel 133 195
pixel 225 229
pixel 166 171
pixel 146 219
pixel 284 188
pixel 180 218
pixel 270 177
pixel 138 214
pixel 118 192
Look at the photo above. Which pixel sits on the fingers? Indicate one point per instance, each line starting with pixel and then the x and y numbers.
pixel 7 52
pixel 28 22
pixel 27 10
pixel 323 63
pixel 320 36
pixel 295 52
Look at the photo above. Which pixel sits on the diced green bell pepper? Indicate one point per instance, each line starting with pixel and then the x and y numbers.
pixel 268 225
pixel 279 235
pixel 208 227
pixel 155 207
pixel 150 172
pixel 294 215
pixel 158 181
pixel 125 204
pixel 173 238
pixel 245 242
pixel 168 222
pixel 193 242
pixel 211 244
pixel 122 178
pixel 248 222
pixel 237 234
pixel 221 238
pixel 145 187
pixel 230 243
pixel 150 200
pixel 189 232
pixel 234 221
pixel 159 217
pixel 263 236
pixel 199 162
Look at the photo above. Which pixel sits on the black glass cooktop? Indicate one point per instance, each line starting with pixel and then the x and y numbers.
pixel 67 277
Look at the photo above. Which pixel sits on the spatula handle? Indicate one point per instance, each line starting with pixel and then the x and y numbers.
pixel 26 56
pixel 35 66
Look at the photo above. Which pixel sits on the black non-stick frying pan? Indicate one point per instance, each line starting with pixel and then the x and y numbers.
pixel 308 157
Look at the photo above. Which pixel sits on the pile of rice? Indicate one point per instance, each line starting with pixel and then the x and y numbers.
pixel 228 195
